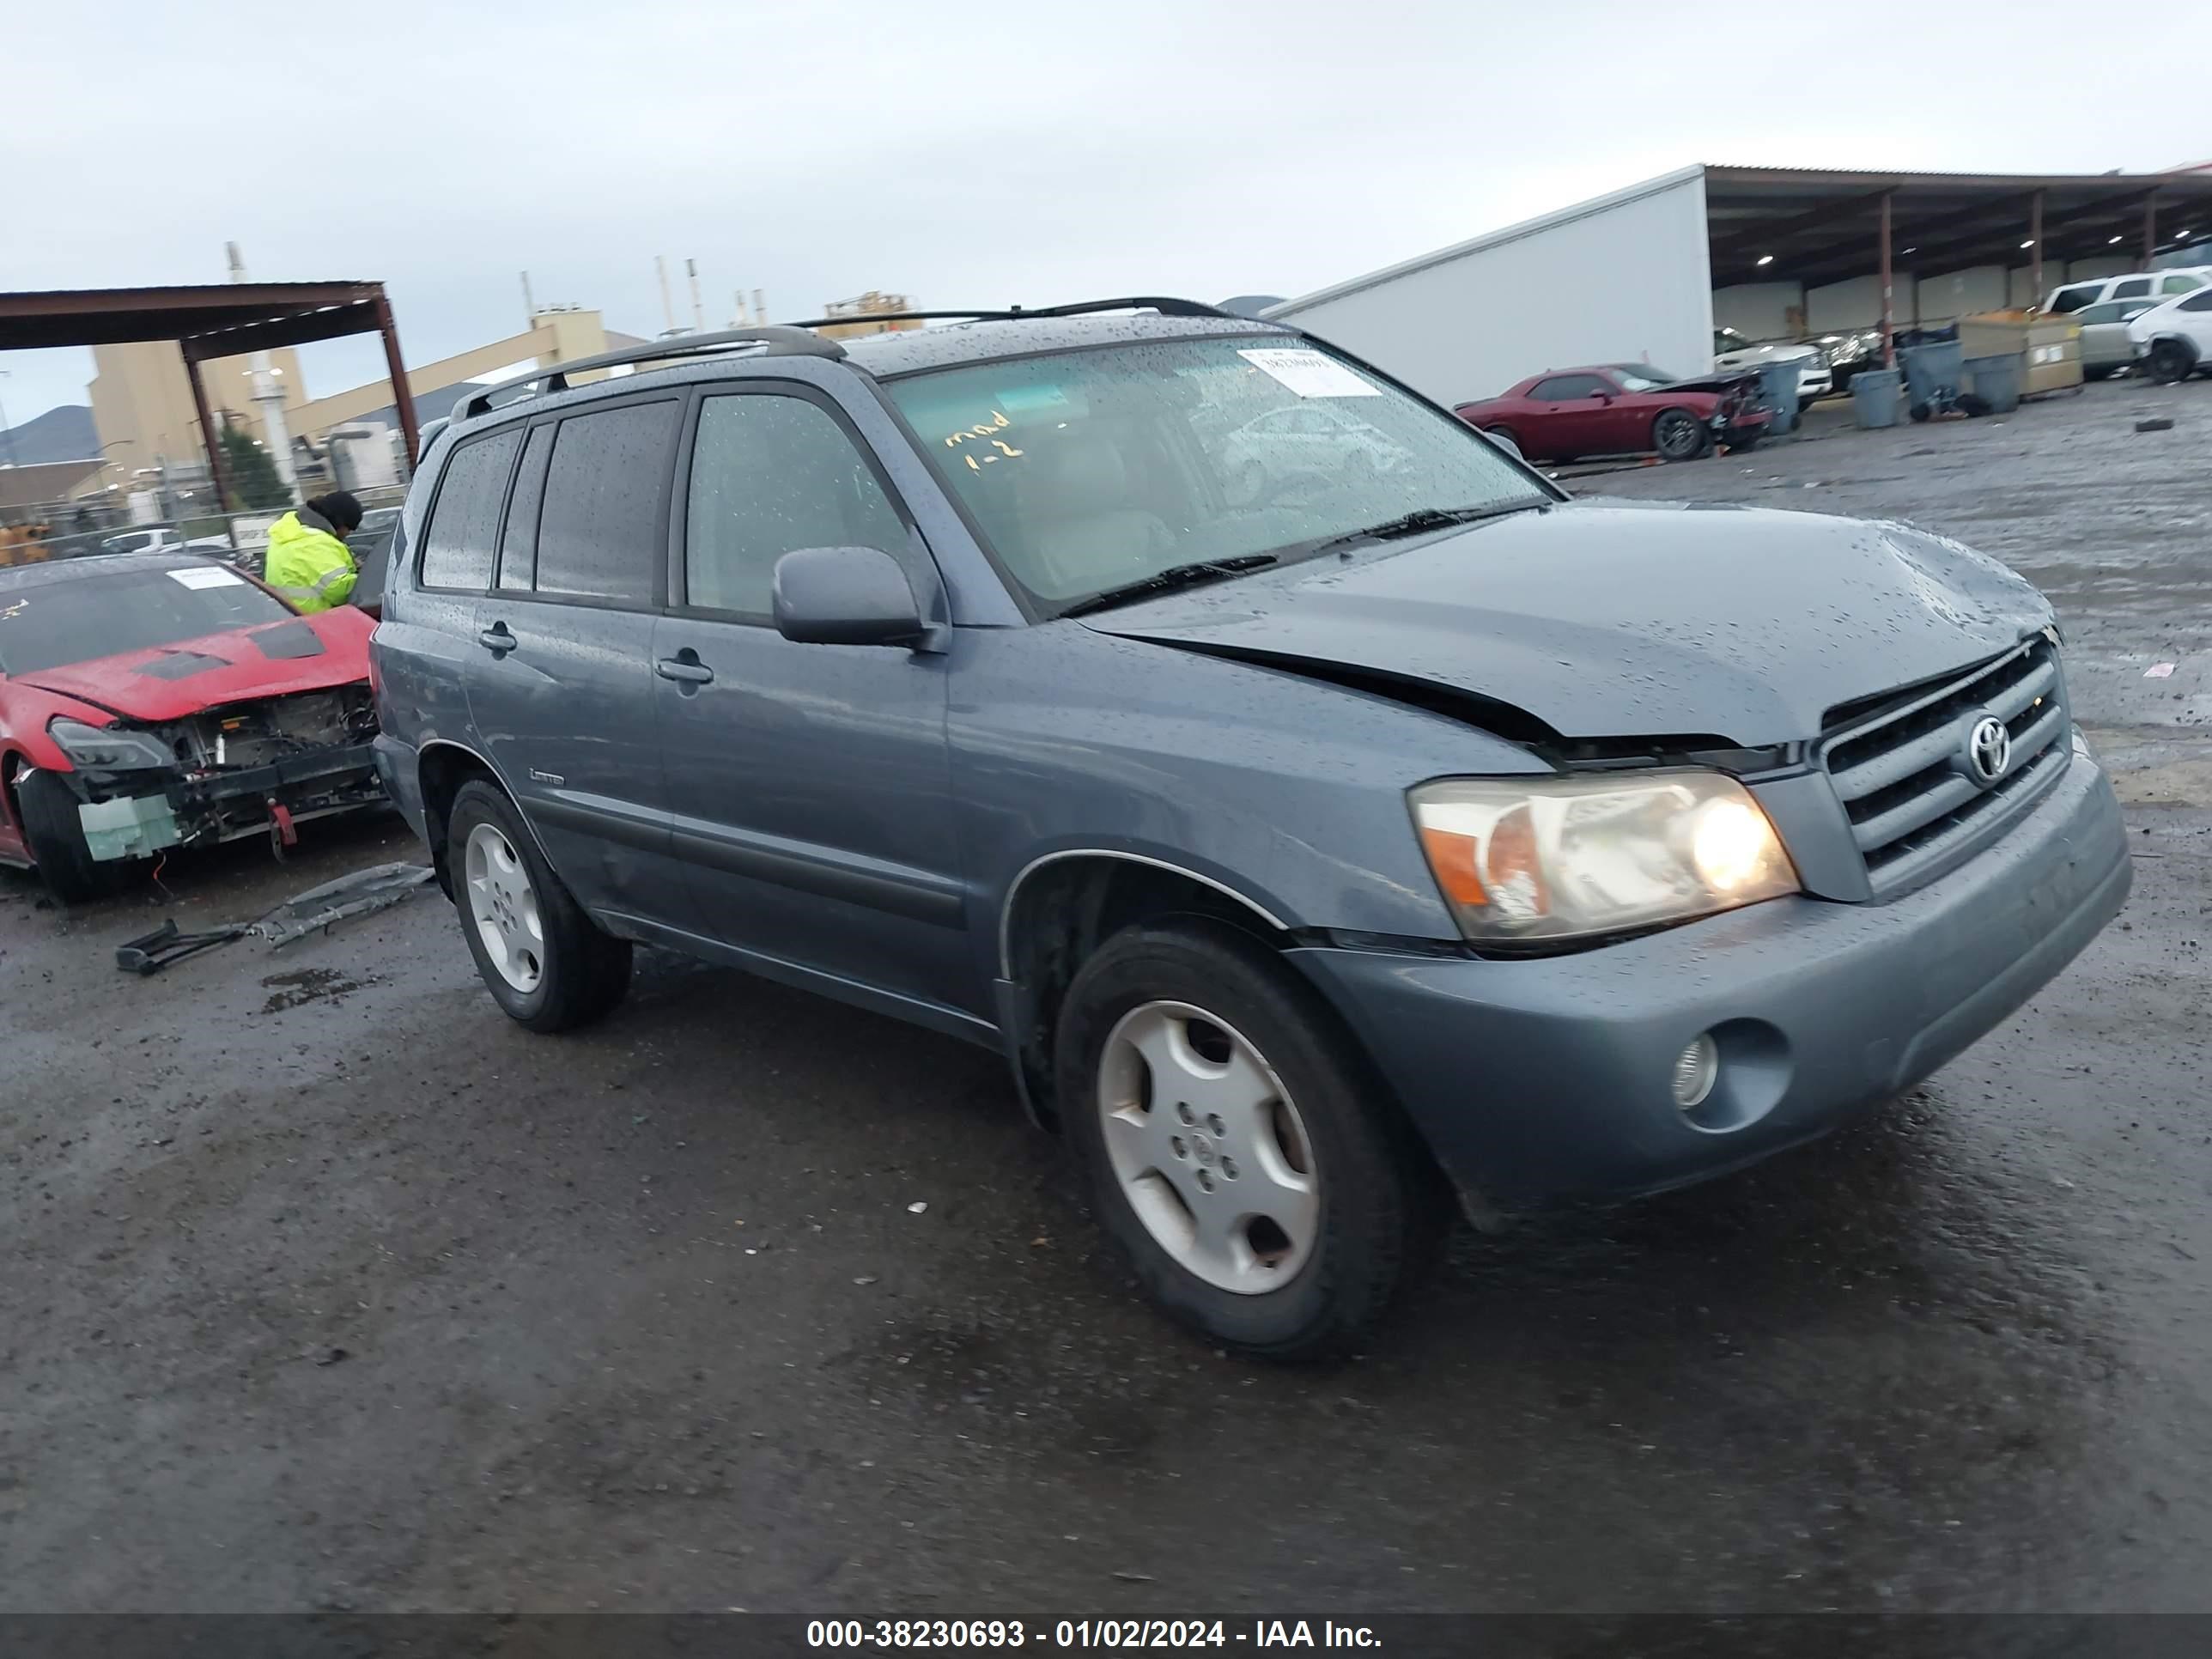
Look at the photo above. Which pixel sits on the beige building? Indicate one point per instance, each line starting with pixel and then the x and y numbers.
pixel 142 399
pixel 141 403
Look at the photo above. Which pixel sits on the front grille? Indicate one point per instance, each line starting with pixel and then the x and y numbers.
pixel 1901 771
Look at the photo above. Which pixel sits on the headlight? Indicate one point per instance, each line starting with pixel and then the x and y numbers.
pixel 1553 859
pixel 103 749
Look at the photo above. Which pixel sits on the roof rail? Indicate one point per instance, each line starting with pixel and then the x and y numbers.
pixel 1165 307
pixel 779 339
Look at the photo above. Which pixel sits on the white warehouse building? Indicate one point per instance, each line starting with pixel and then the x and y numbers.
pixel 1650 273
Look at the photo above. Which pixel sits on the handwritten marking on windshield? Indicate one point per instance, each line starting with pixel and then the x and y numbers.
pixel 998 423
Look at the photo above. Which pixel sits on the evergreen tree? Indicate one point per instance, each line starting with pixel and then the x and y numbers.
pixel 250 473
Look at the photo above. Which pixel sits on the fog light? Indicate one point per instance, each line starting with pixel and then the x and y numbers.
pixel 1695 1069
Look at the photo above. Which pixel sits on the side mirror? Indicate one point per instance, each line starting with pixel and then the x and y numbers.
pixel 844 596
pixel 1603 397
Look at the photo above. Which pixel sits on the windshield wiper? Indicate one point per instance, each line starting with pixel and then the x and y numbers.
pixel 1168 580
pixel 1424 518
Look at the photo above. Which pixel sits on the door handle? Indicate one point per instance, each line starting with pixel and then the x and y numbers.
pixel 497 640
pixel 685 669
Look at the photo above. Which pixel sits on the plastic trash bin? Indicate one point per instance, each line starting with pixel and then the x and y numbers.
pixel 1934 373
pixel 1874 395
pixel 1996 381
pixel 1777 390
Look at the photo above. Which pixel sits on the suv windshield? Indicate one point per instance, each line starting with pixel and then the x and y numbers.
pixel 1089 471
pixel 54 623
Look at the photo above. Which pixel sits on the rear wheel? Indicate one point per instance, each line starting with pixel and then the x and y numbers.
pixel 56 834
pixel 546 963
pixel 1239 1151
pixel 1678 435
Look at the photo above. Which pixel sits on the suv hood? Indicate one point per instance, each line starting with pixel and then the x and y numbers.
pixel 1627 621
pixel 169 682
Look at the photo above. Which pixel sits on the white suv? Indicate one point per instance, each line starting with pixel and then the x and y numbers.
pixel 2138 285
pixel 2174 340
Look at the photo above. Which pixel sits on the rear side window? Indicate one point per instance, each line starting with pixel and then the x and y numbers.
pixel 463 535
pixel 769 474
pixel 599 529
pixel 518 557
pixel 2131 288
pixel 2180 285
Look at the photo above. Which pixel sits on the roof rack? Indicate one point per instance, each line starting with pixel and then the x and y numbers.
pixel 797 340
pixel 778 339
pixel 1165 307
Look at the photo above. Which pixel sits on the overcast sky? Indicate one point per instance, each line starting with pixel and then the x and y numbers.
pixel 977 152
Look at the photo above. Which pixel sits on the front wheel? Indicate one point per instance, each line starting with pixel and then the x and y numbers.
pixel 2170 362
pixel 1678 435
pixel 56 834
pixel 1238 1148
pixel 546 962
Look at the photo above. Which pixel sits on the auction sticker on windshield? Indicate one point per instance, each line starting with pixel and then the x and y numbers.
pixel 206 575
pixel 1309 373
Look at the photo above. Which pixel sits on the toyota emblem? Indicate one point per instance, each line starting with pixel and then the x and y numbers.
pixel 1988 750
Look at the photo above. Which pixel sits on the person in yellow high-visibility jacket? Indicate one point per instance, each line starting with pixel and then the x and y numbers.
pixel 309 562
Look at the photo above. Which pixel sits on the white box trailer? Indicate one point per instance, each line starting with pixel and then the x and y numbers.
pixel 1621 278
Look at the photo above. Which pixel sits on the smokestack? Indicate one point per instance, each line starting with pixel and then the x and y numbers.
pixel 698 306
pixel 667 305
pixel 759 307
pixel 529 305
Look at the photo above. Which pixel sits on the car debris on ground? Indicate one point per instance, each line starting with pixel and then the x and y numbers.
pixel 358 893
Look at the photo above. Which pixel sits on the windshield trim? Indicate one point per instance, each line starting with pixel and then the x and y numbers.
pixel 1016 592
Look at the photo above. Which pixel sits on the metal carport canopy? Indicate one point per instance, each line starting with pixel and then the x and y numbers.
pixel 1822 226
pixel 212 320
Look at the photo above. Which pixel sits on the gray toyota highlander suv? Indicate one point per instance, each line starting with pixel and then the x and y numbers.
pixel 1321 836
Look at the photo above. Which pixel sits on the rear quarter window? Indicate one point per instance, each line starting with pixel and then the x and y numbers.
pixel 463 537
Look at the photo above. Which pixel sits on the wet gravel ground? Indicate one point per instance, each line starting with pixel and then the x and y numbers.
pixel 327 1287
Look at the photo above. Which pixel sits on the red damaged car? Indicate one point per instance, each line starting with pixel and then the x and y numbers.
pixel 1623 409
pixel 156 700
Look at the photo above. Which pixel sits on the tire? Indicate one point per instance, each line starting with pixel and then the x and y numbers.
pixel 1310 1133
pixel 56 834
pixel 2170 362
pixel 546 963
pixel 1678 435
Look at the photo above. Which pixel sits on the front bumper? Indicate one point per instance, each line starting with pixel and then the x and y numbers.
pixel 126 815
pixel 1548 1078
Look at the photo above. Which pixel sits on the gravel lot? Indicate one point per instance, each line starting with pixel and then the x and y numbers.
pixel 329 1288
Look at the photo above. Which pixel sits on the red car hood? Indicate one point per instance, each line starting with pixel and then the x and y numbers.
pixel 307 653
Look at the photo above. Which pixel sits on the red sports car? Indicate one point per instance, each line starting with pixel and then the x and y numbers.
pixel 1623 409
pixel 157 699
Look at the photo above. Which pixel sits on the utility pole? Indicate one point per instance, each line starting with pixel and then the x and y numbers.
pixel 268 397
